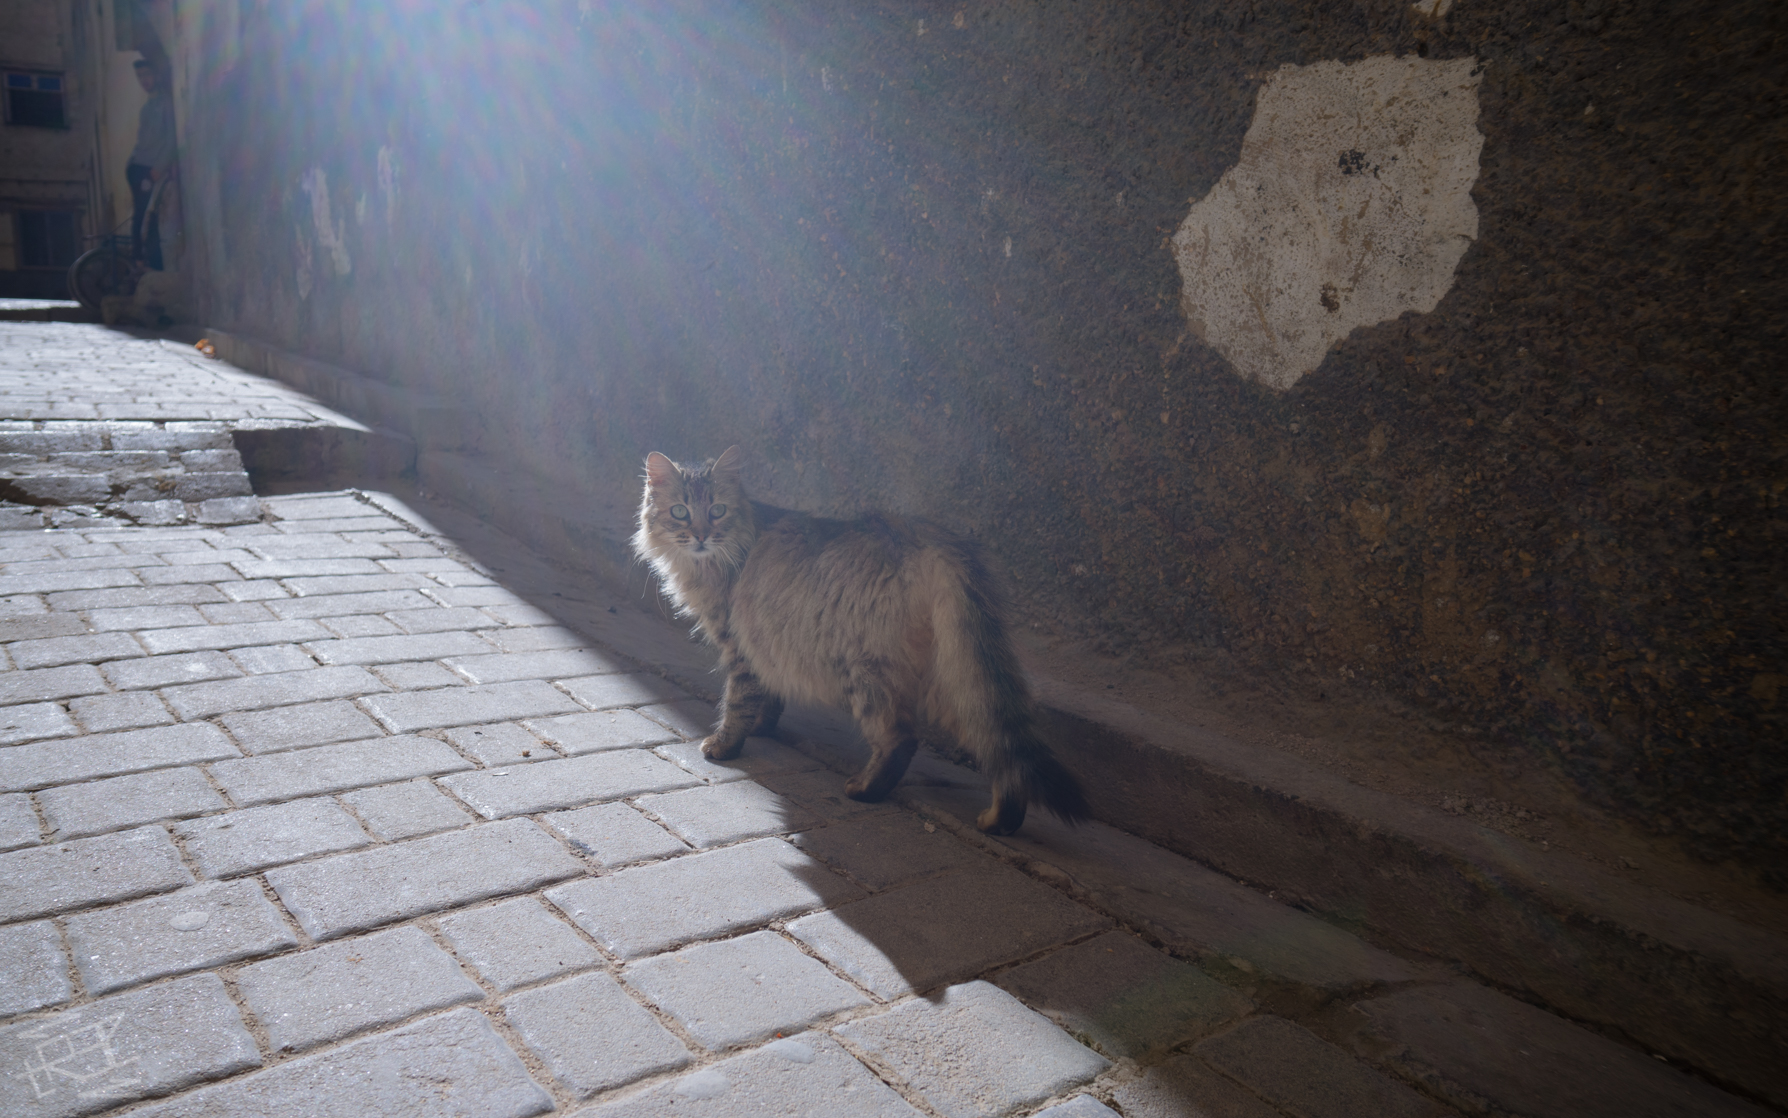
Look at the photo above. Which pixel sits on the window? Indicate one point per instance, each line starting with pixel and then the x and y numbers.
pixel 49 238
pixel 35 100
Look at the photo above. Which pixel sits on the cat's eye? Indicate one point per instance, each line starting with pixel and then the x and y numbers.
pixel 680 512
pixel 715 512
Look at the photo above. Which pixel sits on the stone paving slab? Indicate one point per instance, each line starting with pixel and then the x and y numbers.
pixel 647 909
pixel 1081 1106
pixel 717 815
pixel 280 688
pixel 591 1035
pixel 125 1047
pixel 450 1066
pixel 1197 910
pixel 84 649
pixel 466 706
pixel 689 718
pixel 295 727
pixel 137 596
pixel 45 684
pixel 202 637
pixel 370 602
pixel 1297 1071
pixel 536 638
pixel 517 943
pixel 390 649
pixel 337 990
pixel 499 743
pixel 605 729
pixel 1460 1041
pixel 437 619
pixel 334 768
pixel 365 889
pixel 43 880
pixel 98 714
pixel 975 1052
pixel 943 930
pixel 560 663
pixel 600 692
pixel 163 671
pixel 1186 1085
pixel 36 970
pixel 1124 997
pixel 886 850
pixel 742 990
pixel 400 811
pixel 253 839
pixel 417 676
pixel 572 782
pixel 614 834
pixel 205 926
pixel 18 823
pixel 807 1074
pixel 77 810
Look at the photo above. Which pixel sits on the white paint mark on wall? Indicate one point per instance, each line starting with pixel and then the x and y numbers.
pixel 1433 9
pixel 1350 204
pixel 388 182
pixel 305 273
pixel 329 230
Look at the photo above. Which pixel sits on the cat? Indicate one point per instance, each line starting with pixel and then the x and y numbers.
pixel 893 619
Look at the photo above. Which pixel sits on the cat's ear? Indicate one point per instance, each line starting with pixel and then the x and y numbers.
pixel 728 463
pixel 659 469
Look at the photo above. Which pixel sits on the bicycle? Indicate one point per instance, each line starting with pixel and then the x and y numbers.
pixel 106 270
pixel 110 268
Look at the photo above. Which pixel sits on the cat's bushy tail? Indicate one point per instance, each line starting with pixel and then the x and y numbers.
pixel 979 690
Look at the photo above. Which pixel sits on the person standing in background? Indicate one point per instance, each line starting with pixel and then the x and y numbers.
pixel 151 162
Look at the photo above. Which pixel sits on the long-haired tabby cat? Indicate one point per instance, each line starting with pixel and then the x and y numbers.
pixel 894 619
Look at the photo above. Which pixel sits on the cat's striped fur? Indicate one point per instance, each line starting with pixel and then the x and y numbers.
pixel 895 620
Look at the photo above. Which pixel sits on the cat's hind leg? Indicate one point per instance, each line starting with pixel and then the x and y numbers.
pixel 742 711
pixel 889 731
pixel 1006 814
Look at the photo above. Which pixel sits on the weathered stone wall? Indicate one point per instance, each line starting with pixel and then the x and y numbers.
pixel 925 256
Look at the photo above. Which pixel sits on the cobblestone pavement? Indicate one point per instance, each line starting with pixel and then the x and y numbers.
pixel 309 815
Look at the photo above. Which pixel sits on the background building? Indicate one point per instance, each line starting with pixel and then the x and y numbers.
pixel 70 117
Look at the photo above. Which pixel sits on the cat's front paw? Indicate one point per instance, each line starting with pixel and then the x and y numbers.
pixel 718 748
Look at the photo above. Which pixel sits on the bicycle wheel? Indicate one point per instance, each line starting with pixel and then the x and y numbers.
pixel 98 273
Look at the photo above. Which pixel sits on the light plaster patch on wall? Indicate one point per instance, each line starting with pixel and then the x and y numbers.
pixel 329 230
pixel 305 273
pixel 388 182
pixel 1433 9
pixel 1350 204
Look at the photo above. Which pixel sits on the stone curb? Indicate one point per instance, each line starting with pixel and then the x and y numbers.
pixel 1682 981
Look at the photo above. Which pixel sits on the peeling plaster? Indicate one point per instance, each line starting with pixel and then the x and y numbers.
pixel 305 274
pixel 388 182
pixel 1349 205
pixel 330 232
